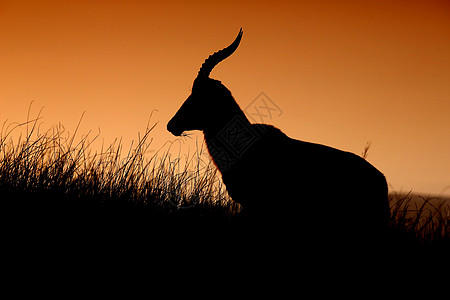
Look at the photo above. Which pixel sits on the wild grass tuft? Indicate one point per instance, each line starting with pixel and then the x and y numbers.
pixel 420 219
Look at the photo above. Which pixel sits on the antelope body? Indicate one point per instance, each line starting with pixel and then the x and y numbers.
pixel 277 179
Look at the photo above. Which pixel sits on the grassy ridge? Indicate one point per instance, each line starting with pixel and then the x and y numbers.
pixel 51 177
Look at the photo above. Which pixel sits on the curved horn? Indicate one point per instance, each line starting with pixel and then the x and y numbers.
pixel 218 56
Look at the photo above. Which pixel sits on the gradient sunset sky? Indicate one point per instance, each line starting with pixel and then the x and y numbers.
pixel 342 73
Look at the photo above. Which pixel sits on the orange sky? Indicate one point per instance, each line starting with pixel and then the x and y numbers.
pixel 342 72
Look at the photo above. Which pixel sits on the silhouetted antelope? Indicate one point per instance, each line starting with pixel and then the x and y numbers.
pixel 276 178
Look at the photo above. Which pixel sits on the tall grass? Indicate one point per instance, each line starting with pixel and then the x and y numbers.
pixel 54 173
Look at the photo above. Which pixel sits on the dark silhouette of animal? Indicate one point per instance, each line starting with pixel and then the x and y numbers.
pixel 278 180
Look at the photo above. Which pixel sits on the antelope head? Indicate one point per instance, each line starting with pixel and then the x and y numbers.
pixel 210 103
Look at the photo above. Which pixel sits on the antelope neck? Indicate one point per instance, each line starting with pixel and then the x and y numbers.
pixel 227 144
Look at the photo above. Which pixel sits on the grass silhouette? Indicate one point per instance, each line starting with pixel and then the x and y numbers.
pixel 420 219
pixel 50 182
